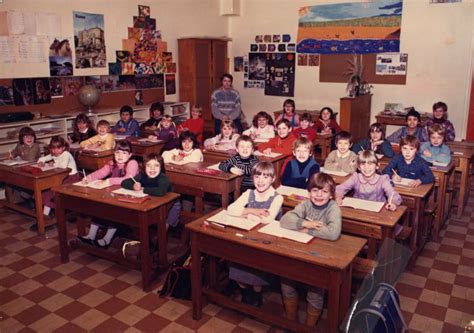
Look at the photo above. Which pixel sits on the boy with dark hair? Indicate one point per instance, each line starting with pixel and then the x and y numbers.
pixel 126 125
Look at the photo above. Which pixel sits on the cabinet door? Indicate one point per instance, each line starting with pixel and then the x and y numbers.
pixel 203 52
pixel 219 62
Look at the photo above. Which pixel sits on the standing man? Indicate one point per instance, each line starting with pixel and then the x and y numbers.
pixel 225 104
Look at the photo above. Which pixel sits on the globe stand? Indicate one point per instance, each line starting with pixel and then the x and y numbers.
pixel 90 112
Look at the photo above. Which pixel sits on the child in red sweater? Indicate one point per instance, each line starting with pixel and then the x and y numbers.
pixel 305 130
pixel 327 124
pixel 282 143
pixel 195 124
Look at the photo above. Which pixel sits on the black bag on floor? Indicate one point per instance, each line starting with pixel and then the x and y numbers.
pixel 178 280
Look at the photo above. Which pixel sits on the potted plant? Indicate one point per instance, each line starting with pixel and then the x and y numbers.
pixel 354 73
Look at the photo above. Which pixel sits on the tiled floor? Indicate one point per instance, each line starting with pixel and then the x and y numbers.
pixel 39 294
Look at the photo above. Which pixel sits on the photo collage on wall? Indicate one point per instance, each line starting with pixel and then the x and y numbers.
pixel 270 65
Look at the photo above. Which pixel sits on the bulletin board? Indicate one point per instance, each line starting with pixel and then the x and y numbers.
pixel 332 67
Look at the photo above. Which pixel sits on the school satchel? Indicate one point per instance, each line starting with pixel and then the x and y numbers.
pixel 178 280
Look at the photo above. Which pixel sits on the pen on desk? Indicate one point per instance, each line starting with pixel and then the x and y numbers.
pixel 84 173
pixel 391 198
pixel 396 174
pixel 134 180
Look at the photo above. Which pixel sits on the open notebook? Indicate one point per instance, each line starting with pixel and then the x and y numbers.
pixel 232 221
pixel 288 190
pixel 333 172
pixel 274 229
pixel 403 182
pixel 97 184
pixel 258 153
pixel 16 161
pixel 131 193
pixel 371 206
pixel 440 164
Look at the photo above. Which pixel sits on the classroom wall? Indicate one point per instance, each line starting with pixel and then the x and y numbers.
pixel 175 19
pixel 437 38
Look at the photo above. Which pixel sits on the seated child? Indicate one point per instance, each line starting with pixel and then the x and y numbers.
pixel 342 159
pixel 167 132
pixel 83 129
pixel 102 141
pixel 318 216
pixel 27 148
pixel 299 169
pixel 187 152
pixel 195 124
pixel 126 125
pixel 264 203
pixel 376 142
pixel 153 181
pixel 156 112
pixel 242 162
pixel 119 169
pixel 289 113
pixel 435 150
pixel 262 127
pixel 58 157
pixel 225 140
pixel 440 116
pixel 327 124
pixel 413 127
pixel 408 164
pixel 305 130
pixel 367 184
pixel 282 143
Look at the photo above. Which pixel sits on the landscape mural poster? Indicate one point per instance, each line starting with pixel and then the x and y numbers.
pixel 366 27
pixel 89 40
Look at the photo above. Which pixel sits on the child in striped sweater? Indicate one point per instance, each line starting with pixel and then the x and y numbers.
pixel 242 163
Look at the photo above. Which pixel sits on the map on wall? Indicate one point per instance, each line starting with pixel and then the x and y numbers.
pixel 367 27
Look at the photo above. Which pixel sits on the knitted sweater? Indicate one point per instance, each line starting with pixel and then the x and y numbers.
pixel 417 169
pixel 225 103
pixel 27 153
pixel 279 145
pixel 63 161
pixel 336 162
pixel 450 133
pixel 157 186
pixel 132 128
pixel 296 174
pixel 329 214
pixel 308 133
pixel 441 154
pixel 130 169
pixel 195 155
pixel 245 164
pixel 105 142
pixel 333 125
pixel 385 148
pixel 420 134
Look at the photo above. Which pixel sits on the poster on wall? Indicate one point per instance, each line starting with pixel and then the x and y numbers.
pixel 366 27
pixel 89 40
pixel 170 84
pixel 280 74
pixel 256 68
pixel 60 57
pixel 41 90
pixel 391 64
pixel 22 91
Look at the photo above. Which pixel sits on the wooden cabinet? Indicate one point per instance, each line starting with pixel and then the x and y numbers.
pixel 355 115
pixel 202 61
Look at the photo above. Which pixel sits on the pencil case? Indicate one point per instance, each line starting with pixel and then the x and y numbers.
pixel 205 171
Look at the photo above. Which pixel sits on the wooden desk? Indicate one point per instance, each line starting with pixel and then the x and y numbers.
pixel 217 156
pixel 143 149
pixel 443 177
pixel 92 160
pixel 101 204
pixel 186 180
pixel 370 225
pixel 462 158
pixel 331 269
pixel 14 176
pixel 323 141
pixel 313 113
pixel 389 119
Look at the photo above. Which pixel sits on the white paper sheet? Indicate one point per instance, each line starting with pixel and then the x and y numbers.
pixel 135 194
pixel 214 167
pixel 274 229
pixel 288 190
pixel 97 184
pixel 371 206
pixel 7 50
pixel 258 153
pixel 232 221
pixel 403 182
pixel 16 161
pixel 333 172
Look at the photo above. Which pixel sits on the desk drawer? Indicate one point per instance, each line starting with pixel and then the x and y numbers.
pixel 410 202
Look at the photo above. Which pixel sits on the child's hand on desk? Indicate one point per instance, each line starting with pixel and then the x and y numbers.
pixel 339 200
pixel 237 171
pixel 50 163
pixel 415 183
pixel 258 212
pixel 137 186
pixel 41 164
pixel 267 151
pixel 396 178
pixel 312 224
pixel 427 153
pixel 86 180
pixel 121 129
pixel 391 206
pixel 152 137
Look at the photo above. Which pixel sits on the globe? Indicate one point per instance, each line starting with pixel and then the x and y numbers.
pixel 89 96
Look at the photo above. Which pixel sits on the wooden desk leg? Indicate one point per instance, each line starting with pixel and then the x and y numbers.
pixel 62 230
pixel 196 278
pixel 414 229
pixel 163 237
pixel 345 293
pixel 464 185
pixel 439 216
pixel 145 263
pixel 39 209
pixel 199 204
pixel 372 248
pixel 333 302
